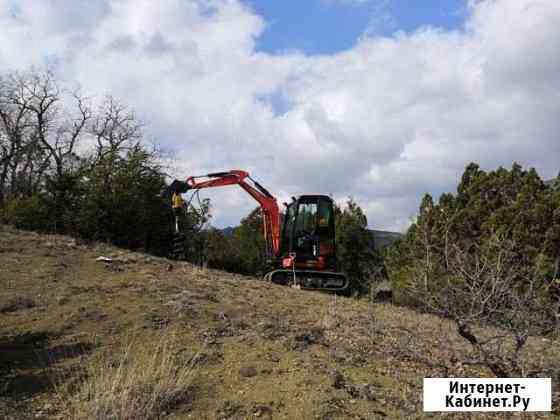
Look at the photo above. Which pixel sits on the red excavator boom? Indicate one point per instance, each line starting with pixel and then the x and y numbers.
pixel 269 206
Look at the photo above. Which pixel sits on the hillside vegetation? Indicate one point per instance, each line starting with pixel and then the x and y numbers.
pixel 513 205
pixel 230 346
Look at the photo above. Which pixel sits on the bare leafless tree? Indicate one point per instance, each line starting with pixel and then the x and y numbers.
pixel 38 135
pixel 486 286
pixel 15 138
pixel 57 131
pixel 115 128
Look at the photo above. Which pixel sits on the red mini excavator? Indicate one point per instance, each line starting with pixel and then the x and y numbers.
pixel 301 249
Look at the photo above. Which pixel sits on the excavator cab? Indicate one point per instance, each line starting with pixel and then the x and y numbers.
pixel 308 232
pixel 307 257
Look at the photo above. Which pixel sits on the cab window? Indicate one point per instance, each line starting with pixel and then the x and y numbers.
pixel 307 217
pixel 324 214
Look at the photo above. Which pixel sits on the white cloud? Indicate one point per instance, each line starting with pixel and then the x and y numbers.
pixel 385 121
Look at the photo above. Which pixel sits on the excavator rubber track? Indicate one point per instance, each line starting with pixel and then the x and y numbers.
pixel 326 281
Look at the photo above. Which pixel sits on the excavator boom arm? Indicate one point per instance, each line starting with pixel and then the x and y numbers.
pixel 269 206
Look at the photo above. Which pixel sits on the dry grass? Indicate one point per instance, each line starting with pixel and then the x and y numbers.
pixel 136 381
pixel 299 343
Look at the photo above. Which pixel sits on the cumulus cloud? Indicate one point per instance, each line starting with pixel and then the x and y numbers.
pixel 385 121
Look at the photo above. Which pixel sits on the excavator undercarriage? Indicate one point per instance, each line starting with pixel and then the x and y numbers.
pixel 327 281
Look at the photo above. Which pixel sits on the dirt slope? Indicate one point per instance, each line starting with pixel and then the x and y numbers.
pixel 261 350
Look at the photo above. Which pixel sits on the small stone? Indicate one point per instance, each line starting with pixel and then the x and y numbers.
pixel 248 371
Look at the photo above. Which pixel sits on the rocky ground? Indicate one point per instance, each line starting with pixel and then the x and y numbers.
pixel 258 350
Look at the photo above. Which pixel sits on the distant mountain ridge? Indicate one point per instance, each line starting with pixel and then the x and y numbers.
pixel 228 231
pixel 384 238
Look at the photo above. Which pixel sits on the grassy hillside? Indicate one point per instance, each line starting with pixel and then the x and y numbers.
pixel 233 347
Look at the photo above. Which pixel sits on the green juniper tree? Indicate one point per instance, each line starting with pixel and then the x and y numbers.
pixel 355 246
pixel 514 204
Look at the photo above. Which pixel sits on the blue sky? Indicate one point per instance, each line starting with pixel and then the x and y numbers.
pixel 327 26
